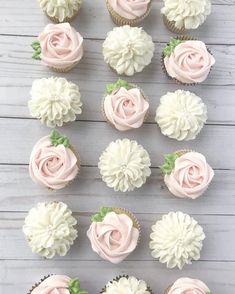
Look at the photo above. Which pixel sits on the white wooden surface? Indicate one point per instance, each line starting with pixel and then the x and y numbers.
pixel 20 22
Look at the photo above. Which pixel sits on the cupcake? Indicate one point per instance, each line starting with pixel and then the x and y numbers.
pixel 181 115
pixel 114 233
pixel 128 12
pixel 176 240
pixel 58 284
pixel 124 106
pixel 55 101
pixel 59 46
pixel 187 174
pixel 50 229
pixel 126 284
pixel 60 11
pixel 187 285
pixel 128 50
pixel 179 16
pixel 53 162
pixel 187 61
pixel 124 165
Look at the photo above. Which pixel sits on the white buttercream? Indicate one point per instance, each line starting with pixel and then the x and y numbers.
pixel 55 101
pixel 49 229
pixel 176 239
pixel 181 115
pixel 128 49
pixel 124 165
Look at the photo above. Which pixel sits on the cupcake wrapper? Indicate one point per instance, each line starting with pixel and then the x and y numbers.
pixel 120 21
pixel 130 214
pixel 167 289
pixel 171 26
pixel 63 70
pixel 182 152
pixel 38 283
pixel 67 19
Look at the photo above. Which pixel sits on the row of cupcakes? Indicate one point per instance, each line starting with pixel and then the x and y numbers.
pixel 127 50
pixel 178 16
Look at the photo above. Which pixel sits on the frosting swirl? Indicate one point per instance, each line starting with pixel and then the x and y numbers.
pixel 190 177
pixel 52 166
pixel 130 9
pixel 54 284
pixel 190 62
pixel 128 49
pixel 181 115
pixel 126 109
pixel 188 286
pixel 61 46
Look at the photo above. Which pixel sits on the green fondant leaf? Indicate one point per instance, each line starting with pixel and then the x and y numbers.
pixel 171 46
pixel 120 83
pixel 98 217
pixel 57 139
pixel 169 163
pixel 74 287
pixel 37 50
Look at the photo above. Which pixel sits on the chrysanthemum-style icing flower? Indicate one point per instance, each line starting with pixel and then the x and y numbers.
pixel 124 165
pixel 188 286
pixel 50 229
pixel 176 239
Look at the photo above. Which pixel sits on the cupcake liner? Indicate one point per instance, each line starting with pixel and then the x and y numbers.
pixel 63 70
pixel 125 211
pixel 38 283
pixel 171 26
pixel 120 21
pixel 182 152
pixel 167 289
pixel 67 19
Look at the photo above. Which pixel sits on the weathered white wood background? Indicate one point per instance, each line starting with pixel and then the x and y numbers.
pixel 20 23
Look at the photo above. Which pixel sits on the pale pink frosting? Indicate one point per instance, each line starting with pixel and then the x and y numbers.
pixel 114 238
pixel 188 286
pixel 126 109
pixel 56 284
pixel 129 9
pixel 190 62
pixel 61 45
pixel 52 166
pixel 190 177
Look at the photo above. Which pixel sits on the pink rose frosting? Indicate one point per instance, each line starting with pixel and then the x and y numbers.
pixel 56 284
pixel 188 286
pixel 114 238
pixel 61 45
pixel 126 109
pixel 52 166
pixel 190 177
pixel 130 9
pixel 190 62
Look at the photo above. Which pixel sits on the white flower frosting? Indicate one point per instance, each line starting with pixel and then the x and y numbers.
pixel 60 9
pixel 55 101
pixel 128 49
pixel 176 239
pixel 129 285
pixel 124 165
pixel 49 229
pixel 188 14
pixel 181 115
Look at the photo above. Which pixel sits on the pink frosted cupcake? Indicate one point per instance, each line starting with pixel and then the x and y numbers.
pixel 187 174
pixel 59 46
pixel 53 162
pixel 125 106
pixel 187 285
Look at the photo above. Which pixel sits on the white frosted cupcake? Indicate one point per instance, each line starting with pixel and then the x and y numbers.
pixel 187 286
pixel 124 165
pixel 181 115
pixel 176 240
pixel 50 229
pixel 128 50
pixel 60 11
pixel 55 101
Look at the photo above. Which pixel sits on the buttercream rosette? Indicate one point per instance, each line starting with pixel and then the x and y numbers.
pixel 59 46
pixel 181 115
pixel 128 49
pixel 187 61
pixel 130 12
pixel 55 101
pixel 124 165
pixel 60 10
pixel 124 106
pixel 53 162
pixel 188 286
pixel 176 240
pixel 50 229
pixel 114 233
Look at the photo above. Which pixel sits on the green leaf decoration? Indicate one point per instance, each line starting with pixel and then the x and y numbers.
pixel 98 217
pixel 74 287
pixel 171 46
pixel 120 83
pixel 169 163
pixel 57 139
pixel 37 50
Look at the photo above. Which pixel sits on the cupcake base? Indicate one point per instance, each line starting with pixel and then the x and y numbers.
pixel 128 213
pixel 38 283
pixel 67 19
pixel 171 26
pixel 63 70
